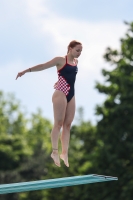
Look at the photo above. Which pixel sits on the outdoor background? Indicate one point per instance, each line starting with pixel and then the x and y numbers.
pixel 34 32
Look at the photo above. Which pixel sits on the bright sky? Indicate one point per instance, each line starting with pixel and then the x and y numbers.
pixel 35 31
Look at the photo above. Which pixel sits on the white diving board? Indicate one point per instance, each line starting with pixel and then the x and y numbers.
pixel 53 183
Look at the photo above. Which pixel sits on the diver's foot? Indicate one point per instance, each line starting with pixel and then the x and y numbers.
pixel 55 157
pixel 64 157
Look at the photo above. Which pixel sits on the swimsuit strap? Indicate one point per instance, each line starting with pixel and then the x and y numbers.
pixel 66 59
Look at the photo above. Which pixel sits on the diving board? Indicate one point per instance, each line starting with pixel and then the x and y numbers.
pixel 53 183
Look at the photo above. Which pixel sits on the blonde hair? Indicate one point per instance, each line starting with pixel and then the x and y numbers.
pixel 72 44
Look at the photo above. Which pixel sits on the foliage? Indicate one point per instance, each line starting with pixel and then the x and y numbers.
pixel 24 144
pixel 106 148
pixel 115 128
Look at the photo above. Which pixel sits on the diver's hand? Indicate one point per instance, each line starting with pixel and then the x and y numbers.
pixel 55 84
pixel 20 74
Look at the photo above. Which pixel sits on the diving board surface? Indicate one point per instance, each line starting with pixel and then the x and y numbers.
pixel 53 183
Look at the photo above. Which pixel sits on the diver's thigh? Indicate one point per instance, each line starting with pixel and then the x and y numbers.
pixel 59 106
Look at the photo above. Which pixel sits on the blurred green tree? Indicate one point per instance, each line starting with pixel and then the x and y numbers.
pixel 24 145
pixel 114 153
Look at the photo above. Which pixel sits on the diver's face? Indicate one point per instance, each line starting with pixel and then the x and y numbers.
pixel 76 51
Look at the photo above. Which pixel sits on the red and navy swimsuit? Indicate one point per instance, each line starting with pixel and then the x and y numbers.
pixel 66 80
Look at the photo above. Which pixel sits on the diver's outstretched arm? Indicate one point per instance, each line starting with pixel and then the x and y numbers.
pixel 40 67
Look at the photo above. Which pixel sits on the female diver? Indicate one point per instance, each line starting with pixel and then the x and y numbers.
pixel 63 97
